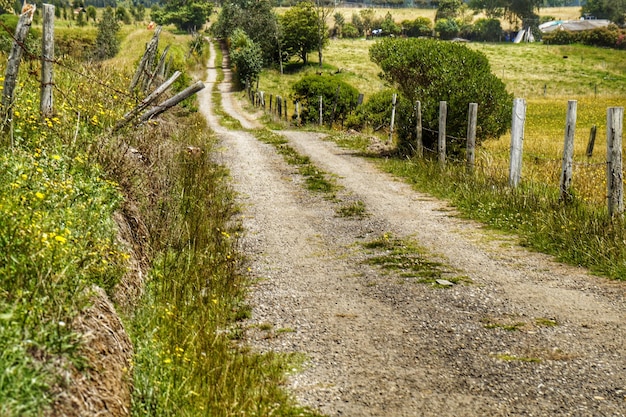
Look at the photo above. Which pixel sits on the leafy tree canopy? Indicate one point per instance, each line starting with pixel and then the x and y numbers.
pixel 300 29
pixel 187 15
pixel 614 10
pixel 524 10
pixel 257 19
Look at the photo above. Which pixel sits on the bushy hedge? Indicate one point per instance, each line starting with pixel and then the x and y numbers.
pixel 432 71
pixel 338 98
pixel 608 37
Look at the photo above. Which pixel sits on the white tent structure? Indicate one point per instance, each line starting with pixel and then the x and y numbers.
pixel 524 35
pixel 573 25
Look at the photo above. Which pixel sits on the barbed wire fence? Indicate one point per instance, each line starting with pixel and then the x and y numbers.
pixel 149 72
pixel 564 167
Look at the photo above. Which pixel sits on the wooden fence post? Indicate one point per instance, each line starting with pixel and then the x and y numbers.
pixel 393 116
pixel 568 151
pixel 472 116
pixel 614 182
pixel 592 141
pixel 419 143
pixel 297 112
pixel 146 59
pixel 47 59
pixel 441 142
pixel 13 63
pixel 285 111
pixel 321 117
pixel 517 141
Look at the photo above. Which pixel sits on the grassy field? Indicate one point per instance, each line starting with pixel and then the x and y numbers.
pixel 547 76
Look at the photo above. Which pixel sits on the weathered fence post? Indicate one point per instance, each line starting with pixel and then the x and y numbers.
pixel 285 111
pixel 297 112
pixel 441 142
pixel 47 59
pixel 146 59
pixel 472 116
pixel 592 141
pixel 517 141
pixel 321 117
pixel 279 106
pixel 419 143
pixel 393 116
pixel 271 100
pixel 614 180
pixel 13 63
pixel 568 151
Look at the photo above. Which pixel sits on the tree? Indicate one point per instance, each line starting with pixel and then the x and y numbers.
pixel 107 44
pixel 323 9
pixel 246 57
pixel 91 13
pixel 448 9
pixel 122 15
pixel 187 15
pixel 431 71
pixel 299 25
pixel 614 10
pixel 257 19
pixel 523 10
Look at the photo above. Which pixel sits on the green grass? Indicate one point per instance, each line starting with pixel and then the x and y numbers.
pixel 405 259
pixel 57 236
pixel 315 179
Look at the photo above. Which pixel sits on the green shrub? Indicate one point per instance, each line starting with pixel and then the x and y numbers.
pixel 447 28
pixel 489 30
pixel 246 57
pixel 350 31
pixel 604 37
pixel 422 26
pixel 560 37
pixel 338 98
pixel 375 112
pixel 431 71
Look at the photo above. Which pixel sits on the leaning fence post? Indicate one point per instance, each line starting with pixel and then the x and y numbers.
pixel 393 116
pixel 592 141
pixel 143 66
pixel 13 63
pixel 517 141
pixel 568 151
pixel 472 115
pixel 441 142
pixel 419 144
pixel 614 183
pixel 47 58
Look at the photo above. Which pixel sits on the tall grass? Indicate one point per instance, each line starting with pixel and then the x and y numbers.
pixel 57 235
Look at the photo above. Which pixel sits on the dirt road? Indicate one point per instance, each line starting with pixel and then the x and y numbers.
pixel 518 335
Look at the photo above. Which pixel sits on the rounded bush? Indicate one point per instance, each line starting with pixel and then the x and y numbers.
pixel 432 71
pixel 338 98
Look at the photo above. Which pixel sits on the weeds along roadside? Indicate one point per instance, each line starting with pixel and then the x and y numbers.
pixel 64 181
pixel 186 359
pixel 577 233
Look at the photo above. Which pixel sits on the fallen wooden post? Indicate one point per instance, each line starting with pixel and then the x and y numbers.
pixel 147 101
pixel 167 104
